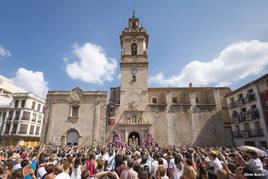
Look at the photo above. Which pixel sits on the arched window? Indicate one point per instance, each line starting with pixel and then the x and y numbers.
pixel 134 49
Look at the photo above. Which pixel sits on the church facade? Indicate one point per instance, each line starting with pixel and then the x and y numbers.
pixel 75 117
pixel 138 114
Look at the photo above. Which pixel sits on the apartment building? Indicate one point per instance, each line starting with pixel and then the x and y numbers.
pixel 245 106
pixel 21 119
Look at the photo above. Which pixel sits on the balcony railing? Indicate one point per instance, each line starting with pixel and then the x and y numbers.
pixel 250 97
pixel 245 116
pixel 242 101
pixel 248 133
pixel 235 118
pixel 236 134
pixel 256 132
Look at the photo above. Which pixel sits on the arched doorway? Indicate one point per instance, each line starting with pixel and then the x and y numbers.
pixel 134 139
pixel 72 137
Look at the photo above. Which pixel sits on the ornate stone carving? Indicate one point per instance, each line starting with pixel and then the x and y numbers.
pixel 132 106
pixel 75 95
pixel 133 117
pixel 156 115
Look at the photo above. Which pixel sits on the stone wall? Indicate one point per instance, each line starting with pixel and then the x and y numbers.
pixel 188 121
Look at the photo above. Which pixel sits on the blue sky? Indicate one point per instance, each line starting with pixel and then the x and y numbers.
pixel 207 42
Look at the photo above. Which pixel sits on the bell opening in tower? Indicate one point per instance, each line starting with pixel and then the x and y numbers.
pixel 134 49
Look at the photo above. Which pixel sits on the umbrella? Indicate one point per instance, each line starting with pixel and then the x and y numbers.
pixel 260 152
pixel 266 151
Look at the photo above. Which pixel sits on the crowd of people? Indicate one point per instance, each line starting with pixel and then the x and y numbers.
pixel 72 162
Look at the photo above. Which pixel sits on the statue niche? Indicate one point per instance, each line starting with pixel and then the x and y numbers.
pixel 134 139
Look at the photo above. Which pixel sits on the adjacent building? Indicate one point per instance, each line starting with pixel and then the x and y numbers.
pixel 21 119
pixel 248 112
pixel 21 115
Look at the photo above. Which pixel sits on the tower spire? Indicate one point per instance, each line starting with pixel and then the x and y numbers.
pixel 133 10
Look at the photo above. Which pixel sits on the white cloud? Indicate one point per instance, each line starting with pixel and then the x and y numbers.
pixel 4 52
pixel 92 65
pixel 31 81
pixel 236 62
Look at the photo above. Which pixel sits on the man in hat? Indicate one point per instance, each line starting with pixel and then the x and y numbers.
pixel 214 162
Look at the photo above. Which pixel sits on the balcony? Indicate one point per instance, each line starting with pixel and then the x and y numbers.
pixel 248 133
pixel 235 118
pixel 244 100
pixel 231 105
pixel 250 115
pixel 240 102
pixel 256 132
pixel 250 97
pixel 245 116
pixel 236 134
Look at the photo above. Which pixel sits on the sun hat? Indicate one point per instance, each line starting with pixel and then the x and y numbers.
pixel 212 152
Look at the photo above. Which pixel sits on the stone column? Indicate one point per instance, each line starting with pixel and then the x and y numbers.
pixel 50 120
pixel 194 116
pixel 96 124
pixel 126 136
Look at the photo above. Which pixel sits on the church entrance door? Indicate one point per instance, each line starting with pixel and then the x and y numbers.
pixel 133 139
pixel 72 137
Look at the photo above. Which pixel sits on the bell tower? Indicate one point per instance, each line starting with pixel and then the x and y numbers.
pixel 134 63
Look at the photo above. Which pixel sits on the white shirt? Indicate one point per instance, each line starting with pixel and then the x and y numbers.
pixel 171 163
pixel 256 163
pixel 155 166
pixel 98 157
pixel 17 166
pixel 63 176
pixel 76 173
pixel 41 171
pixel 177 172
pixel 111 161
pixel 149 163
pixel 165 162
pixel 216 164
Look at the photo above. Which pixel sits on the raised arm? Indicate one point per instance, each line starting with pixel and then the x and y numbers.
pixel 240 158
pixel 41 149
